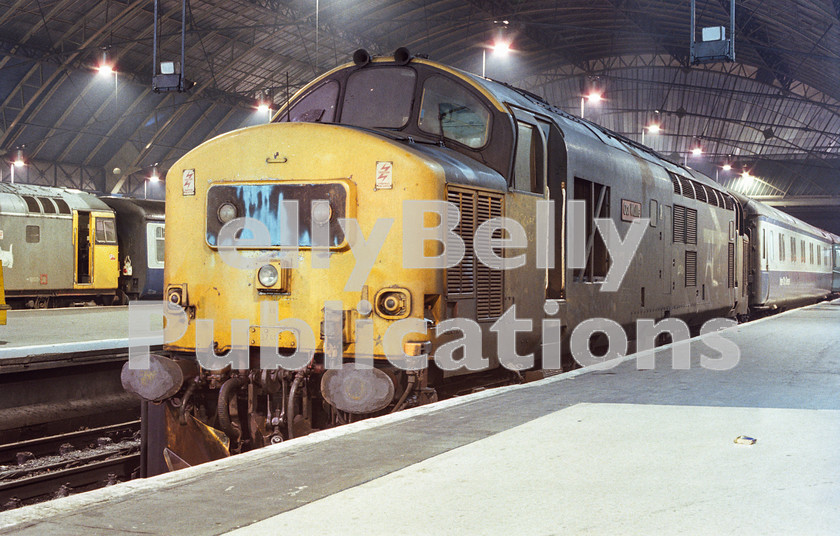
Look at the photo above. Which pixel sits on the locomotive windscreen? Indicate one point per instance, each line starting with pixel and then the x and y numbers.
pixel 274 205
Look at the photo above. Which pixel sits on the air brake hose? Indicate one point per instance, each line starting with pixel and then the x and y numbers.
pixel 227 391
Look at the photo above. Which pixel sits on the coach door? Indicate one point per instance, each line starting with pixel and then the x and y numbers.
pixel 82 246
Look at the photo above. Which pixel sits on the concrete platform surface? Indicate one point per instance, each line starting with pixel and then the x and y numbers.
pixel 605 450
pixel 72 329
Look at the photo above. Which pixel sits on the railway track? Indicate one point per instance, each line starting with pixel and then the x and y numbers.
pixel 45 468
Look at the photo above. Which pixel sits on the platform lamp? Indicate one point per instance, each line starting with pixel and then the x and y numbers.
pixel 499 48
pixel 107 68
pixel 153 177
pixel 726 167
pixel 18 163
pixel 652 129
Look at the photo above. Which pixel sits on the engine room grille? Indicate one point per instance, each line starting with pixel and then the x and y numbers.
pixel 676 182
pixel 691 268
pixel 731 272
pixel 685 225
pixel 690 226
pixel 701 193
pixel 470 278
pixel 679 223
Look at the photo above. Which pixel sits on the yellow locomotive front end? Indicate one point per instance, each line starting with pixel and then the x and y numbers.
pixel 289 252
pixel 311 261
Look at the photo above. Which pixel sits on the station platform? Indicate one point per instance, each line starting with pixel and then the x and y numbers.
pixel 607 449
pixel 30 333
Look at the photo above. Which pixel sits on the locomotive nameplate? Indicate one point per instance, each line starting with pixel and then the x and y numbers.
pixel 630 210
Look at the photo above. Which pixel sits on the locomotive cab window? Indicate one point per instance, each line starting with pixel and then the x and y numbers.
pixel 318 106
pixel 379 98
pixel 106 232
pixel 528 165
pixel 450 111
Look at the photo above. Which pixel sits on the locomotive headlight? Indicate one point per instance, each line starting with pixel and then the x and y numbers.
pixel 268 276
pixel 321 212
pixel 226 212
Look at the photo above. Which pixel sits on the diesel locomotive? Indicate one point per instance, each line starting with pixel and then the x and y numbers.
pixel 315 280
pixel 57 246
pixel 61 246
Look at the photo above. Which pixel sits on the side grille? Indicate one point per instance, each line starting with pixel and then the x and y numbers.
pixel 731 272
pixel 745 256
pixel 489 282
pixel 730 202
pixel 676 182
pixel 679 223
pixel 687 188
pixel 701 192
pixel 691 268
pixel 460 279
pixel 690 226
pixel 470 278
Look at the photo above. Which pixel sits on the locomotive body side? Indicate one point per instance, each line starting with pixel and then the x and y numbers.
pixel 684 266
pixel 58 246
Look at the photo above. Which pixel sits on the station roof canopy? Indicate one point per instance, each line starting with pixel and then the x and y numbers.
pixel 774 111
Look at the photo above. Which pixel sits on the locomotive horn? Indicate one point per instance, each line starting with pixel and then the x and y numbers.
pixel 402 56
pixel 361 57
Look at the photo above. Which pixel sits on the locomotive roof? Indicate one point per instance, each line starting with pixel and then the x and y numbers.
pixel 500 94
pixel 760 209
pixel 11 198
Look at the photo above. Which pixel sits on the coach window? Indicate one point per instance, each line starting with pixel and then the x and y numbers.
pixel 770 248
pixel 792 249
pixel 379 98
pixel 449 110
pixel 318 106
pixel 781 247
pixel 802 243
